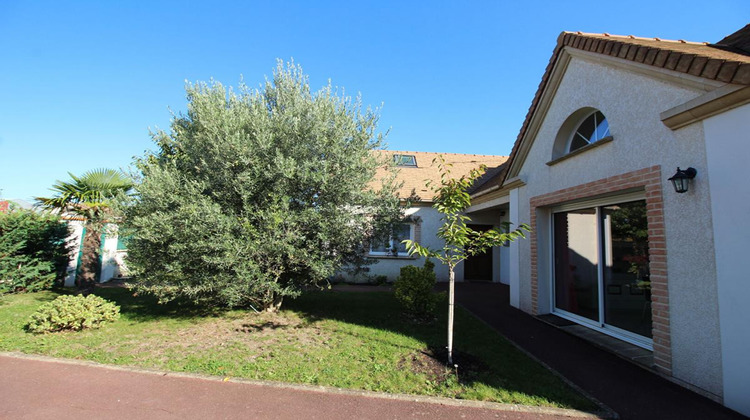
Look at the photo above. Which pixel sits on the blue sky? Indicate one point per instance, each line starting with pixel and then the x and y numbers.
pixel 82 82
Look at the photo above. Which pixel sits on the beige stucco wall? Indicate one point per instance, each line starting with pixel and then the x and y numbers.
pixel 632 101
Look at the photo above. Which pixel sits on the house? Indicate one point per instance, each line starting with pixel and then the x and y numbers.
pixel 112 252
pixel 615 247
pixel 422 220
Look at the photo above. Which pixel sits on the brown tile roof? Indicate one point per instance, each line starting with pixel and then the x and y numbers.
pixel 698 59
pixel 738 42
pixel 414 178
pixel 726 61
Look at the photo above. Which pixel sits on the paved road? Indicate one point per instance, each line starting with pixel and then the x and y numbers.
pixel 33 388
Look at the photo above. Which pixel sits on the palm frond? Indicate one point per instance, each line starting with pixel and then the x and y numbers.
pixel 87 194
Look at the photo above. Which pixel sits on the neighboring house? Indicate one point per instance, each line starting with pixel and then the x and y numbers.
pixel 422 220
pixel 614 246
pixel 7 205
pixel 112 252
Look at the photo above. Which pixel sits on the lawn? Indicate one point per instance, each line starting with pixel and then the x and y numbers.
pixel 340 339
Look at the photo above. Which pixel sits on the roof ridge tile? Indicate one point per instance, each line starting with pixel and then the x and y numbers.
pixel 641 38
pixel 441 153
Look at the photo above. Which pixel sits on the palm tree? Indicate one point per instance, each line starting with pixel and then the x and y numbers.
pixel 90 197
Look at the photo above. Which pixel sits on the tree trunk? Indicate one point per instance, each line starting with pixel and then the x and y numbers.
pixel 275 303
pixel 92 242
pixel 451 299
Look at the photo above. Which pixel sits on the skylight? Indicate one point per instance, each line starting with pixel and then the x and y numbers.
pixel 405 160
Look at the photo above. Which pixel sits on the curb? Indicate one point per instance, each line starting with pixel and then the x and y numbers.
pixel 330 390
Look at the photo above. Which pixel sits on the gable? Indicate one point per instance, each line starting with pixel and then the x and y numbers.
pixel 631 103
pixel 681 61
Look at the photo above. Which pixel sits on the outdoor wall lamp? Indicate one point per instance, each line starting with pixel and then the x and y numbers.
pixel 682 178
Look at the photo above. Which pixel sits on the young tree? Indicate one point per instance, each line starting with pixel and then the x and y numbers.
pixel 256 194
pixel 89 196
pixel 452 199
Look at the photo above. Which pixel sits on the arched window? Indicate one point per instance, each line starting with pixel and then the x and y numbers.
pixel 593 128
pixel 580 130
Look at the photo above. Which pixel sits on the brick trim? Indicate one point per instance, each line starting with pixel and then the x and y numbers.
pixel 650 180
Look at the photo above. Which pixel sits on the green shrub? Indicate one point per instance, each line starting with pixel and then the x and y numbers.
pixel 379 280
pixel 33 251
pixel 256 195
pixel 73 313
pixel 414 290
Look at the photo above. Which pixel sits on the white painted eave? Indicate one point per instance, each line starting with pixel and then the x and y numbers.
pixel 714 102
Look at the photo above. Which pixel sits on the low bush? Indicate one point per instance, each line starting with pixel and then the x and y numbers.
pixel 379 280
pixel 414 290
pixel 73 313
pixel 33 251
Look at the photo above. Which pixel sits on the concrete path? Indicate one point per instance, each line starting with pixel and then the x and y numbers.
pixel 43 388
pixel 631 391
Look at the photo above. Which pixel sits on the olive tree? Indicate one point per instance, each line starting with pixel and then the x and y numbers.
pixel 460 241
pixel 255 194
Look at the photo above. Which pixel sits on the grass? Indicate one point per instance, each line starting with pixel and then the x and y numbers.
pixel 339 339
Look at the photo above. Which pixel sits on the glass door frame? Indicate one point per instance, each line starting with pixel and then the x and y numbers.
pixel 599 325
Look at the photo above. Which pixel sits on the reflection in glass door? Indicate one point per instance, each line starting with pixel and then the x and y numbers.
pixel 576 263
pixel 627 297
pixel 601 266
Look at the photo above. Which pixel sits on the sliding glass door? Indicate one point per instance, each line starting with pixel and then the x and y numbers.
pixel 577 263
pixel 601 272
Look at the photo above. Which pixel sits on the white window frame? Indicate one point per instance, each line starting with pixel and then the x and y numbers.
pixel 578 126
pixel 391 242
pixel 600 326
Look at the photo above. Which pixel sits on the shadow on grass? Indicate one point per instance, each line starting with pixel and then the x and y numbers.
pixel 143 308
pixel 485 359
pixel 482 355
pixel 38 297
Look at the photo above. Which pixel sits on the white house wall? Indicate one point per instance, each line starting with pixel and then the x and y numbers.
pixel 515 266
pixel 113 261
pixel 75 239
pixel 430 223
pixel 728 149
pixel 391 266
pixel 504 270
pixel 632 101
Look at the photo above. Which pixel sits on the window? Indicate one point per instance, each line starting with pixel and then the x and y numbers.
pixel 393 246
pixel 583 129
pixel 405 160
pixel 594 128
pixel 601 268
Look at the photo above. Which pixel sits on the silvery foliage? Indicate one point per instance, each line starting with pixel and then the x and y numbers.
pixel 256 194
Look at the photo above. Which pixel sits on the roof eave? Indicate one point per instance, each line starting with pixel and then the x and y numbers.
pixel 614 48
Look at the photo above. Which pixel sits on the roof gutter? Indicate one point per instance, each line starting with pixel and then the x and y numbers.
pixel 487 191
pixel 706 105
